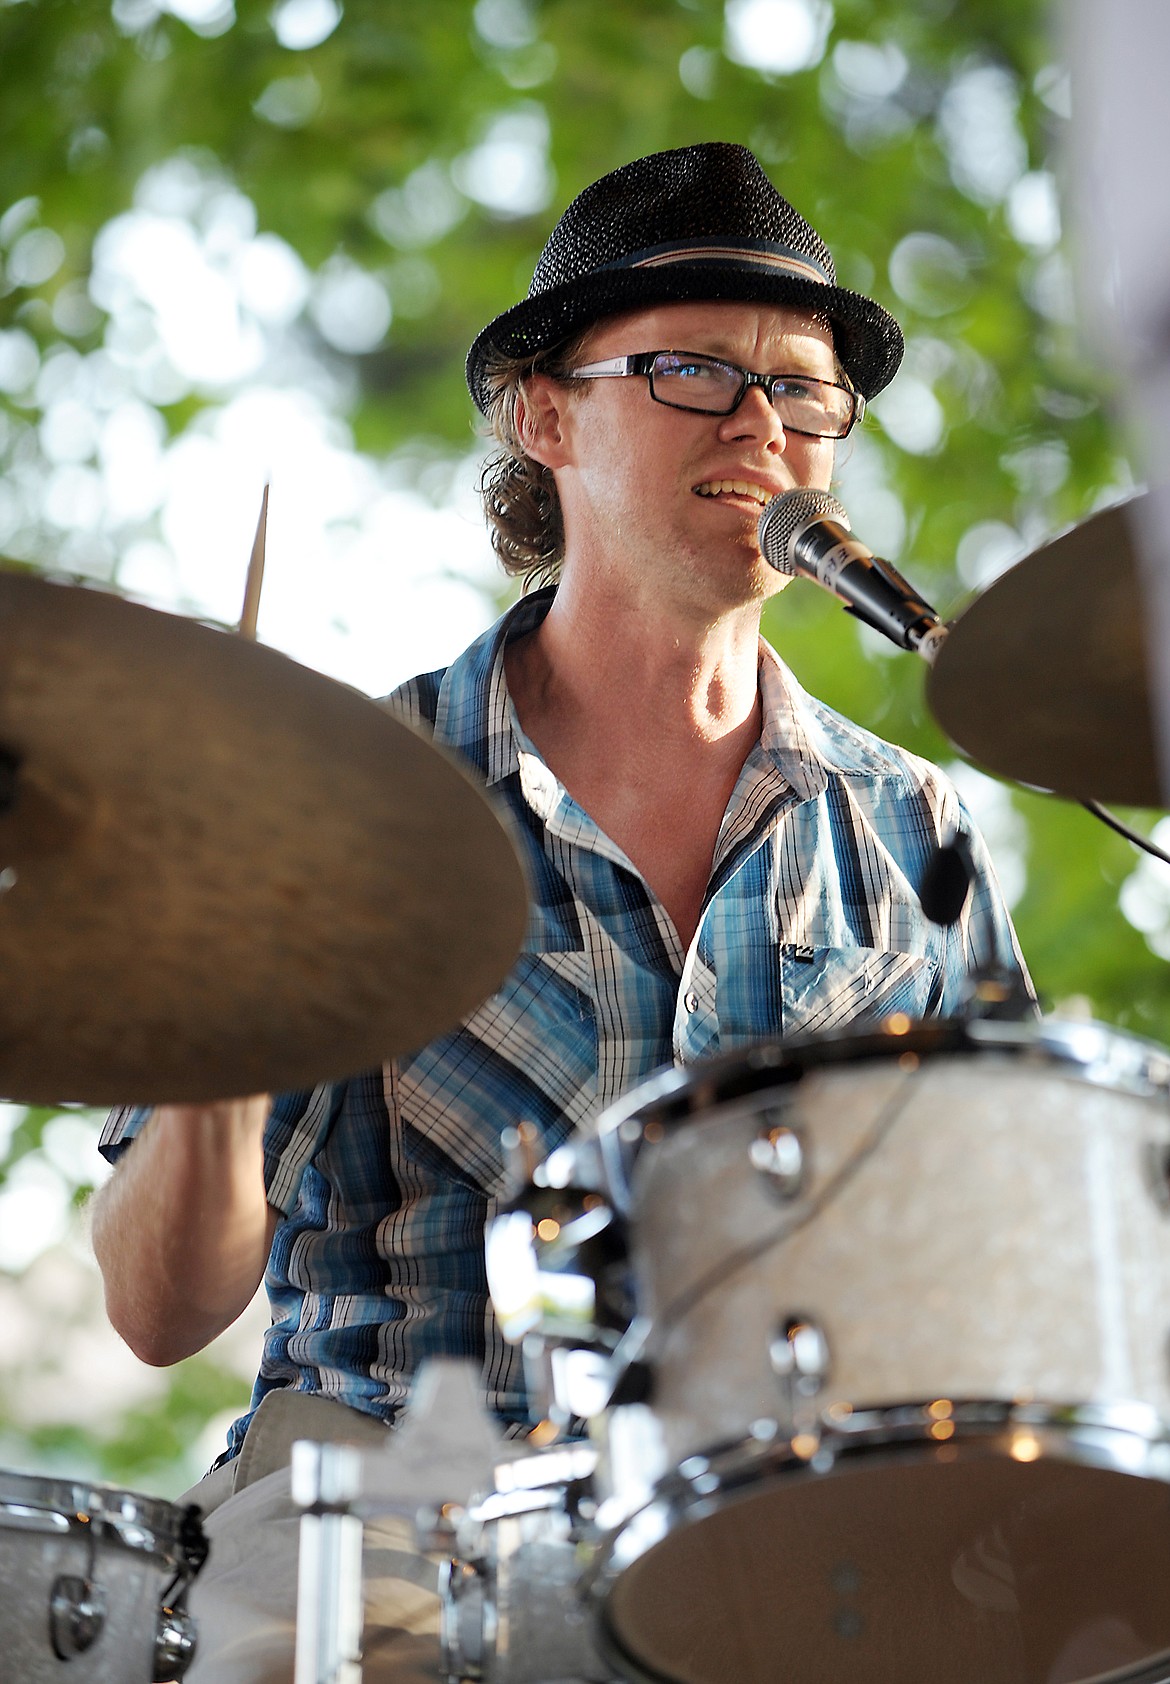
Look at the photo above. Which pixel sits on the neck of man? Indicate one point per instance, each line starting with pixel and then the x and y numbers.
pixel 620 670
pixel 645 710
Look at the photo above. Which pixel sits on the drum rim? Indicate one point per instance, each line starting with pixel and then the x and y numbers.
pixel 1097 1054
pixel 1122 1438
pixel 108 1514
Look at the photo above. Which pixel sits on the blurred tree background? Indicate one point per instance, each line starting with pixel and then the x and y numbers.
pixel 205 203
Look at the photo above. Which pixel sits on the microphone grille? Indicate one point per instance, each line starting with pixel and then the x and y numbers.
pixel 789 514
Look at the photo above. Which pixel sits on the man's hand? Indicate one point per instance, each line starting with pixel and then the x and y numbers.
pixel 182 1229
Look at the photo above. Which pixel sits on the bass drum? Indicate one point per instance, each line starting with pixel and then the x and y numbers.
pixel 904 1299
pixel 93 1583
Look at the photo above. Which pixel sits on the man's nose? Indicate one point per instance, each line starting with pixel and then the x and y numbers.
pixel 755 418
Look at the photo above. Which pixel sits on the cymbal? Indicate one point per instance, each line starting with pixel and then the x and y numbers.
pixel 226 874
pixel 1043 678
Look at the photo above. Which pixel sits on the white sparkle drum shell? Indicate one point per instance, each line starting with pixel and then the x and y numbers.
pixel 92 1583
pixel 908 1298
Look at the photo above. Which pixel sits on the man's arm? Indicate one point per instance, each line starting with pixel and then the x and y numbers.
pixel 182 1230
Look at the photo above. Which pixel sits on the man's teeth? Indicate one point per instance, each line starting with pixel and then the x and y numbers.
pixel 744 488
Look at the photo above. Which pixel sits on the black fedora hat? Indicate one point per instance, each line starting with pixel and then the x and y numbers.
pixel 702 222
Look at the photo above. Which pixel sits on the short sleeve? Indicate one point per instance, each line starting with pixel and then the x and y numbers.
pixel 295 1130
pixel 122 1124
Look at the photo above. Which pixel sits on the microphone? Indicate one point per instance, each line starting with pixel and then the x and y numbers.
pixel 807 532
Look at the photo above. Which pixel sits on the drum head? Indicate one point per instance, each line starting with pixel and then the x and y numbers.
pixel 979 1571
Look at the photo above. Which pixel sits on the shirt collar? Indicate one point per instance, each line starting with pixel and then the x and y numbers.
pixel 809 742
pixel 806 741
pixel 474 714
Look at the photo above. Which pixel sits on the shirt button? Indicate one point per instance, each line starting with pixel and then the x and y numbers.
pixel 691 1001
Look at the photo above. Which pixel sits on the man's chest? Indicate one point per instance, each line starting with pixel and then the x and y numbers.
pixel 668 828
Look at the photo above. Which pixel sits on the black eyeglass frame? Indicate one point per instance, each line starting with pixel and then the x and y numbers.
pixel 642 362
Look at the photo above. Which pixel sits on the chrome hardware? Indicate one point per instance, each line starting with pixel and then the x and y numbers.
pixel 557 1265
pixel 436 1529
pixel 326 1483
pixel 582 1383
pixel 521 1148
pixel 174 1644
pixel 1089 1052
pixel 538 1378
pixel 565 1382
pixel 778 1154
pixel 467 1621
pixel 77 1615
pixel 800 1353
pixel 512 1611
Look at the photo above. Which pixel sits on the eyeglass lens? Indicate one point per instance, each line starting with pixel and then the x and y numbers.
pixel 804 405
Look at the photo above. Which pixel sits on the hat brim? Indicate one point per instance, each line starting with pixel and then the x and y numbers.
pixel 867 339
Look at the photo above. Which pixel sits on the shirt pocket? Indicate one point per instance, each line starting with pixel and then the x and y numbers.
pixel 824 988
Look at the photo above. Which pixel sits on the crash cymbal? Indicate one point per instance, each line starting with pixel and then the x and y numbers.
pixel 222 873
pixel 1043 678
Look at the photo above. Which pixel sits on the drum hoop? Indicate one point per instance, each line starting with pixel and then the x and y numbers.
pixel 141 1525
pixel 1096 1052
pixel 1093 1053
pixel 1121 1438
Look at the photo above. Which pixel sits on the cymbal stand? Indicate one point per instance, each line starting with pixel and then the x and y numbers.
pixel 326 1484
pixel 326 1478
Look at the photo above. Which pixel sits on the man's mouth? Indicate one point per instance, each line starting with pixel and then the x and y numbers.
pixel 733 487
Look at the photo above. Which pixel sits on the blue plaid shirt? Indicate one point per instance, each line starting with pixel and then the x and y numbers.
pixel 811 921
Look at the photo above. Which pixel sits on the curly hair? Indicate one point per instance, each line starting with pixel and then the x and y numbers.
pixel 520 500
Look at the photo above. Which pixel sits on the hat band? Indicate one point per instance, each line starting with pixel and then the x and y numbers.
pixel 757 255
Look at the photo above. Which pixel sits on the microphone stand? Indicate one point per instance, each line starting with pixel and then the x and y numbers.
pixel 993 990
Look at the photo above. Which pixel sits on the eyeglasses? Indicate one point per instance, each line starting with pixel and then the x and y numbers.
pixel 682 380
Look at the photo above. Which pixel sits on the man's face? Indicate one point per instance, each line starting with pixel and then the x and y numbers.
pixel 673 497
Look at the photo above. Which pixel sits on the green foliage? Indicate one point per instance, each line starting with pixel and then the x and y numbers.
pixel 357 148
pixel 149 1443
pixel 149 1447
pixel 26 1137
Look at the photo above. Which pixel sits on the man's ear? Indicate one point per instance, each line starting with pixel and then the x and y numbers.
pixel 540 408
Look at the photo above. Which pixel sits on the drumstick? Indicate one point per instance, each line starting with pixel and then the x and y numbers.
pixel 250 612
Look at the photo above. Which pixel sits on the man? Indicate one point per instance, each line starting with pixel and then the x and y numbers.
pixel 712 856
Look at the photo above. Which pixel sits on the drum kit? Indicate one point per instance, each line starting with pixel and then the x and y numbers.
pixel 848 1354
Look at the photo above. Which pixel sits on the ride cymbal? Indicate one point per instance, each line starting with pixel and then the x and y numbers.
pixel 1043 678
pixel 220 872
